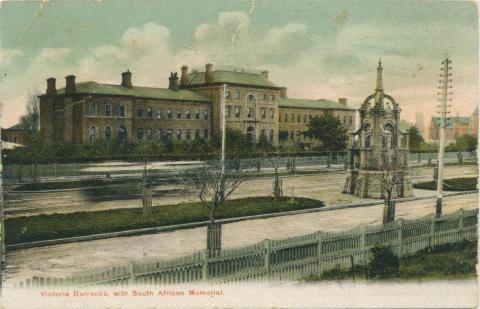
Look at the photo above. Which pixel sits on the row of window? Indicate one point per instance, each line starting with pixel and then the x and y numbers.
pixel 250 98
pixel 108 110
pixel 168 113
pixel 299 118
pixel 250 112
pixel 168 134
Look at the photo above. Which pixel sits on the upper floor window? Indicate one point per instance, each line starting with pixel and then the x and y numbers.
pixel 344 119
pixel 139 112
pixel 149 113
pixel 271 97
pixel 263 97
pixel 159 113
pixel 108 110
pixel 299 118
pixel 237 95
pixel 251 98
pixel 237 111
pixel 305 118
pixel 93 109
pixel 169 113
pixel 227 94
pixel 286 117
pixel 188 114
pixel 227 111
pixel 272 113
pixel 121 111
pixel 179 114
pixel 250 112
pixel 350 120
pixel 264 113
pixel 205 114
pixel 197 114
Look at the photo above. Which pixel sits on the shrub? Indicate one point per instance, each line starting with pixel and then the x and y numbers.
pixel 384 263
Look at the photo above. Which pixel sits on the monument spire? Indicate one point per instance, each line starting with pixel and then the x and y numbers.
pixel 379 76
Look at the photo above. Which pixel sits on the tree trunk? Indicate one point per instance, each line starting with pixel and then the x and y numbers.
pixel 214 234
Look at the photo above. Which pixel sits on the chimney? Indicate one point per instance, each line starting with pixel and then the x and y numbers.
pixel 51 88
pixel 184 77
pixel 208 73
pixel 265 74
pixel 173 82
pixel 127 79
pixel 342 101
pixel 283 93
pixel 70 84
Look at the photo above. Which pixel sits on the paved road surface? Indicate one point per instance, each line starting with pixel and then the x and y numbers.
pixel 326 186
pixel 62 260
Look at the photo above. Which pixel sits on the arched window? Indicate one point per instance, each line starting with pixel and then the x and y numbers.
pixel 93 109
pixel 251 98
pixel 122 134
pixel 92 132
pixel 108 132
pixel 108 110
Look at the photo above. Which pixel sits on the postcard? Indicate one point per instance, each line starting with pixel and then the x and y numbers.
pixel 238 154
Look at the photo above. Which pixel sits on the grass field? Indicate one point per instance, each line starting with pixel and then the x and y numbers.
pixel 53 226
pixel 448 262
pixel 453 184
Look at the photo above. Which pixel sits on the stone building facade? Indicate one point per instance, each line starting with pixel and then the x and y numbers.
pixel 189 108
pixel 374 144
pixel 295 115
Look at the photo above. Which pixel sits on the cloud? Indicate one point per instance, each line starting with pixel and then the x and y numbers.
pixel 285 43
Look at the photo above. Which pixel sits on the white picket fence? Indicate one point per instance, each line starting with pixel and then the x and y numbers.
pixel 286 259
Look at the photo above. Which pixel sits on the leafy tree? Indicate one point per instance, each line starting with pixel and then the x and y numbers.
pixel 329 130
pixel 384 263
pixel 466 142
pixel 415 139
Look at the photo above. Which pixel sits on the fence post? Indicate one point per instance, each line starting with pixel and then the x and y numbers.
pixel 399 237
pixel 319 252
pixel 131 272
pixel 460 223
pixel 205 265
pixel 432 232
pixel 267 257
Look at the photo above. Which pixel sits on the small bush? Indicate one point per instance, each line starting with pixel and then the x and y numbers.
pixel 384 263
pixel 454 184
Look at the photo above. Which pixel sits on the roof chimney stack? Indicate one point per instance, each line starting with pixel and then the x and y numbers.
pixel 184 77
pixel 51 88
pixel 265 74
pixel 342 101
pixel 173 82
pixel 70 84
pixel 208 73
pixel 127 79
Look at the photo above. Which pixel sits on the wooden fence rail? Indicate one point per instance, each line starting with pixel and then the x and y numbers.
pixel 286 259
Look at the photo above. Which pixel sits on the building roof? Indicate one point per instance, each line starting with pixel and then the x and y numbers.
pixel 451 121
pixel 17 126
pixel 229 77
pixel 135 91
pixel 313 104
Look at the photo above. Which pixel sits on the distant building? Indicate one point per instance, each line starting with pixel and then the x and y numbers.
pixel 420 124
pixel 455 127
pixel 190 108
pixel 15 134
pixel 475 122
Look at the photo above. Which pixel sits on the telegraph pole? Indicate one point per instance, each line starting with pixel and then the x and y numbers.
pixel 2 227
pixel 445 97
pixel 224 134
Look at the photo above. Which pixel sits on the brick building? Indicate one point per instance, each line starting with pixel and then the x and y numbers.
pixel 455 127
pixel 189 108
pixel 15 134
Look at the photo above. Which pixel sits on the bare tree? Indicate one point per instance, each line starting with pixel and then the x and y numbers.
pixel 214 183
pixel 274 160
pixel 31 120
pixel 147 152
pixel 390 180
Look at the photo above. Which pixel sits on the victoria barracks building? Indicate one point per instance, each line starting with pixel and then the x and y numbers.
pixel 190 108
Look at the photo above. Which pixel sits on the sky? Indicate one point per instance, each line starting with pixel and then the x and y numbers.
pixel 318 49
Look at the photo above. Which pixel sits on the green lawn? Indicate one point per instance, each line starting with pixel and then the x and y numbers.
pixel 59 185
pixel 44 227
pixel 454 184
pixel 456 261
